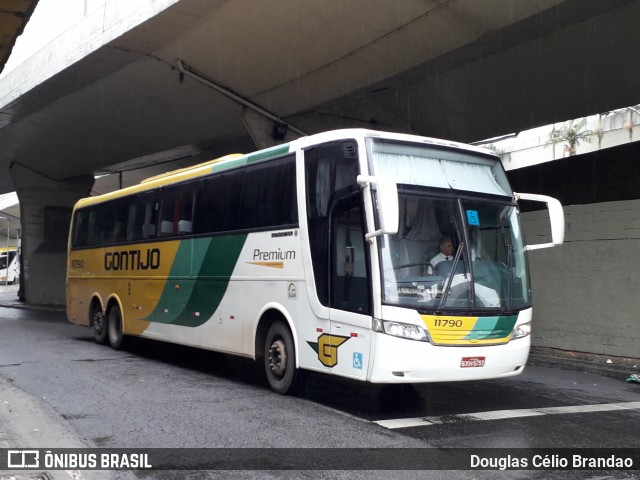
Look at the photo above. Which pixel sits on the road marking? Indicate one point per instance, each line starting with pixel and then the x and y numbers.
pixel 504 414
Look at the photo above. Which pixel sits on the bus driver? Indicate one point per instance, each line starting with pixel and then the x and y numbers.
pixel 446 253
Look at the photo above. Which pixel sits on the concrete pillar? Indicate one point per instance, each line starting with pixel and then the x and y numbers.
pixel 45 211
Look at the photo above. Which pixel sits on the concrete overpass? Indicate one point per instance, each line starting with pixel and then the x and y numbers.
pixel 136 87
pixel 14 16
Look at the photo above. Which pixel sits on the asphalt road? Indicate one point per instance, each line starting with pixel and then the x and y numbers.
pixel 155 395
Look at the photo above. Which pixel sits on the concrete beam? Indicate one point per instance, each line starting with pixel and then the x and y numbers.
pixel 45 211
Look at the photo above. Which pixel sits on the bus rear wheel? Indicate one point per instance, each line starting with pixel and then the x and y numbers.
pixel 280 360
pixel 114 328
pixel 99 326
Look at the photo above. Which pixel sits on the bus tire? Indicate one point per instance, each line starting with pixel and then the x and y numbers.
pixel 99 325
pixel 280 360
pixel 114 328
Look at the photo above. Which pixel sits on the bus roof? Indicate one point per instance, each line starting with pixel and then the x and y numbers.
pixel 201 169
pixel 236 159
pixel 357 133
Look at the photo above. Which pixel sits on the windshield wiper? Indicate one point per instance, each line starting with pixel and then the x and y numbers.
pixel 509 247
pixel 456 260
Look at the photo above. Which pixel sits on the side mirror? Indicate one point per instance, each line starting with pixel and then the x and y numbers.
pixel 387 204
pixel 556 217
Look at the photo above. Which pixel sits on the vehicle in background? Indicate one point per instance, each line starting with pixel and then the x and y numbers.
pixel 9 265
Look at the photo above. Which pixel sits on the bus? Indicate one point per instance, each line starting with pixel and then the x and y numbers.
pixel 315 255
pixel 9 265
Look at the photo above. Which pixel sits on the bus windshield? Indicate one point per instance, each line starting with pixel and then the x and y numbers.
pixel 455 253
pixel 459 243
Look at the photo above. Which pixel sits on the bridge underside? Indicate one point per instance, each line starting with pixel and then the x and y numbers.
pixel 14 15
pixel 136 91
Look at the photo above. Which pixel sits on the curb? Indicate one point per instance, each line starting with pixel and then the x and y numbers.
pixel 24 306
pixel 619 368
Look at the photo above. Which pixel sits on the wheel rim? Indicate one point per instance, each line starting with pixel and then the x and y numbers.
pixel 98 322
pixel 278 358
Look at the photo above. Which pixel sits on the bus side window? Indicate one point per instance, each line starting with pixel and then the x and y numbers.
pixel 166 215
pixel 141 224
pixel 92 230
pixel 120 214
pixel 269 196
pixel 135 221
pixel 100 224
pixel 184 211
pixel 206 218
pixel 232 220
pixel 176 210
pixel 80 228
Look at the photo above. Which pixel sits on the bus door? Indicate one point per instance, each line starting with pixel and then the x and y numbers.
pixel 350 291
pixel 336 239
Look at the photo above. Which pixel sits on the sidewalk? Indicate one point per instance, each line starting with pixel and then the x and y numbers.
pixel 9 298
pixel 29 422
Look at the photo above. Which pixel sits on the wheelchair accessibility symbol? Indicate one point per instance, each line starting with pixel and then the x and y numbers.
pixel 357 360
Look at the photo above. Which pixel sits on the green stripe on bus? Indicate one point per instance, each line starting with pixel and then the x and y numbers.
pixel 251 157
pixel 195 300
pixel 268 153
pixel 492 327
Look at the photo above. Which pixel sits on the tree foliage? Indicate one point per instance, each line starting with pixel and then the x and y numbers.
pixel 573 133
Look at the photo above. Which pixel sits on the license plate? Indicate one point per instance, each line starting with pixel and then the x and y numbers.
pixel 472 362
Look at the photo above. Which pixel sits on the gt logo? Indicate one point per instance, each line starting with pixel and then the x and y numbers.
pixel 327 348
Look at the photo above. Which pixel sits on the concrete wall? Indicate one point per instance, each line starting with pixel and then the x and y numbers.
pixel 585 292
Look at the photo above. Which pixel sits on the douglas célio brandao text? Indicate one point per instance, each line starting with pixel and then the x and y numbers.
pixel 550 462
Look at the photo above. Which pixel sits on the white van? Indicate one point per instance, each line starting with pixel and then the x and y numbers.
pixel 12 273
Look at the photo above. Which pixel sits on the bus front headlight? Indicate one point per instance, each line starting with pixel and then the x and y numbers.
pixel 521 331
pixel 403 330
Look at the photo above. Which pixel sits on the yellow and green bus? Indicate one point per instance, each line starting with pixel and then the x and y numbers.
pixel 319 254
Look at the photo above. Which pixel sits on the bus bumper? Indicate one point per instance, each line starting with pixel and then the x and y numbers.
pixel 398 360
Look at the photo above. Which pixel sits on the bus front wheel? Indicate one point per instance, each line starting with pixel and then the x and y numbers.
pixel 114 328
pixel 280 360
